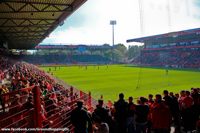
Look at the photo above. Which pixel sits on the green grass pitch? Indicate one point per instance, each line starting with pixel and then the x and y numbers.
pixel 111 80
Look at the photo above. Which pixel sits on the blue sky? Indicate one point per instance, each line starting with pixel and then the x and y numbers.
pixel 90 23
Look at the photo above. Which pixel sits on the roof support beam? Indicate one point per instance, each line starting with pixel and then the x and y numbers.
pixel 23 24
pixel 34 2
pixel 11 32
pixel 35 25
pixel 46 19
pixel 53 8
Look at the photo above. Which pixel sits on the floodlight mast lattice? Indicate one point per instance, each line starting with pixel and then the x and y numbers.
pixel 113 23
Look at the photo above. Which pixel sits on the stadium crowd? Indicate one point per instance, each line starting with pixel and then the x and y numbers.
pixel 157 115
pixel 178 58
pixel 153 114
pixel 17 85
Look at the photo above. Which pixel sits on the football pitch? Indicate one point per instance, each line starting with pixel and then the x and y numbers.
pixel 111 80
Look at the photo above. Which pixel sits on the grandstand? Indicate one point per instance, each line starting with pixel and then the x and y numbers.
pixel 76 54
pixel 175 49
pixel 68 54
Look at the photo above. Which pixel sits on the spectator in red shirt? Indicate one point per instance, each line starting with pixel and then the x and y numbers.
pixel 187 101
pixel 188 114
pixel 160 116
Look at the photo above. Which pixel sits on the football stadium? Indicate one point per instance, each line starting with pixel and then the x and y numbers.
pixel 147 83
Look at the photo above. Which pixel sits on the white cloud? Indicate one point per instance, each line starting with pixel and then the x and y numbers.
pixel 155 18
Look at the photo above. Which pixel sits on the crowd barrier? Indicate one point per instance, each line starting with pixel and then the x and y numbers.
pixel 45 113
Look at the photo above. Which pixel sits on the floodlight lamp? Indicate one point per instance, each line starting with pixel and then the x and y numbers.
pixel 113 22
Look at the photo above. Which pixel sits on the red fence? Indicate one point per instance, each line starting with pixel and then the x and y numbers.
pixel 17 112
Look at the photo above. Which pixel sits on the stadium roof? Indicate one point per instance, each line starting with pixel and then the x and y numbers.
pixel 25 23
pixel 190 34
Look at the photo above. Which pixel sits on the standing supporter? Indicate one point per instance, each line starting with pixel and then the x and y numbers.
pixel 121 114
pixel 177 96
pixel 142 111
pixel 160 116
pixel 173 105
pixel 150 100
pixel 196 96
pixel 150 103
pixel 80 119
pixel 188 101
pixel 101 112
pixel 196 106
pixel 130 116
pixel 181 97
pixel 188 115
pixel 176 113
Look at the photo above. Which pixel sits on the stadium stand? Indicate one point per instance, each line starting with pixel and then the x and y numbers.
pixel 177 49
pixel 26 91
pixel 64 59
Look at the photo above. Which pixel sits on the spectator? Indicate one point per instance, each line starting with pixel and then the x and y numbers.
pixel 101 113
pixel 80 118
pixel 160 116
pixel 142 111
pixel 188 115
pixel 29 104
pixel 173 105
pixel 150 101
pixel 120 115
pixel 130 116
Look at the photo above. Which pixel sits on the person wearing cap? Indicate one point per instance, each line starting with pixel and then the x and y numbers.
pixel 80 119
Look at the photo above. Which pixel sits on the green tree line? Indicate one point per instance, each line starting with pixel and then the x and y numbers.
pixel 119 53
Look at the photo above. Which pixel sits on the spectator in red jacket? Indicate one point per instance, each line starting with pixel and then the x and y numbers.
pixel 160 116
